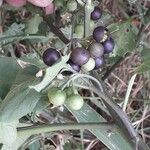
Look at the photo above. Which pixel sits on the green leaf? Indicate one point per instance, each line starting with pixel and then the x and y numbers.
pixel 4 40
pixel 8 132
pixel 14 30
pixel 145 66
pixel 16 144
pixel 124 36
pixel 132 1
pixel 12 73
pixel 9 68
pixel 33 24
pixel 33 59
pixel 18 102
pixel 41 104
pixel 26 74
pixel 111 137
pixel 34 146
pixel 51 73
pixel 145 54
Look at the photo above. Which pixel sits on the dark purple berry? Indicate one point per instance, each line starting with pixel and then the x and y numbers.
pixel 96 13
pixel 108 45
pixel 99 33
pixel 50 56
pixel 99 62
pixel 80 56
pixel 96 49
pixel 74 66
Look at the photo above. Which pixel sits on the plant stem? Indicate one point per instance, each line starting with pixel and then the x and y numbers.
pixel 56 30
pixel 56 127
pixel 113 67
pixel 88 10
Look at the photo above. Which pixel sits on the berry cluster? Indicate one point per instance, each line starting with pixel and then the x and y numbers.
pixel 93 57
pixel 90 58
pixel 57 97
pixel 86 59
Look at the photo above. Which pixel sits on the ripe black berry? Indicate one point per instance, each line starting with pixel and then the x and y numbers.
pixel 99 62
pixel 108 45
pixel 80 56
pixel 74 66
pixel 99 33
pixel 96 49
pixel 50 56
pixel 96 14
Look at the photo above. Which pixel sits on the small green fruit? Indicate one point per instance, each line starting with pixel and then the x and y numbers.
pixel 72 5
pixel 56 96
pixel 79 31
pixel 75 101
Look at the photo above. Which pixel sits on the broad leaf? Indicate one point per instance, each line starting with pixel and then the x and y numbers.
pixel 41 104
pixel 8 132
pixel 14 30
pixel 51 73
pixel 11 73
pixel 145 66
pixel 111 137
pixel 19 101
pixel 33 24
pixel 33 59
pixel 125 38
pixel 8 70
pixel 16 144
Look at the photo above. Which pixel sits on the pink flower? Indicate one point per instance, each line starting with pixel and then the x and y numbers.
pixel 49 9
pixel 16 3
pixel 39 3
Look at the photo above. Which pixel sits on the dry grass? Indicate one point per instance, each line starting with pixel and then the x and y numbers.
pixel 138 108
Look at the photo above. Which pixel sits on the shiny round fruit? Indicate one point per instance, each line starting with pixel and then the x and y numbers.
pixel 79 31
pixel 99 33
pixel 96 13
pixel 74 66
pixel 50 56
pixel 75 101
pixel 72 5
pixel 89 65
pixel 80 56
pixel 108 45
pixel 56 96
pixel 99 62
pixel 96 49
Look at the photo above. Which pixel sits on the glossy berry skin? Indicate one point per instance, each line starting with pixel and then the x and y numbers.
pixel 108 45
pixel 89 66
pixel 96 13
pixel 98 33
pixel 50 56
pixel 80 56
pixel 96 49
pixel 74 66
pixel 56 96
pixel 99 62
pixel 75 101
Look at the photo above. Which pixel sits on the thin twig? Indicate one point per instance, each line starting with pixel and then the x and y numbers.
pixel 56 30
